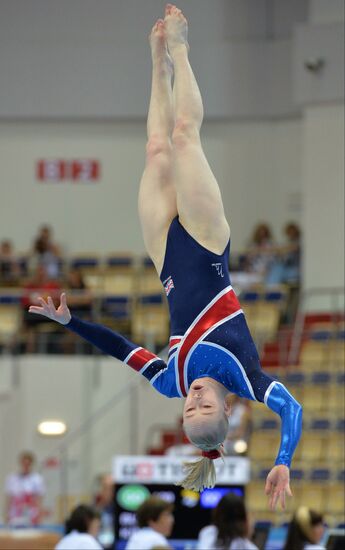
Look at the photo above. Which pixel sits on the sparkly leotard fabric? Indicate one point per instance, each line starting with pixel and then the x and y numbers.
pixel 209 336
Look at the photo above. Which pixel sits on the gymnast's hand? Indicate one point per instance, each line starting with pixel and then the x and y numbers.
pixel 278 485
pixel 61 315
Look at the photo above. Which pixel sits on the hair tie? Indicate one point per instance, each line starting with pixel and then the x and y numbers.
pixel 212 455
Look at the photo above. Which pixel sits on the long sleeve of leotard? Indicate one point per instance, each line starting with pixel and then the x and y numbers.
pixel 112 343
pixel 278 399
pixel 290 412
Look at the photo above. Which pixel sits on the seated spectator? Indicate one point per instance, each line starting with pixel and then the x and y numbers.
pixel 45 252
pixel 286 267
pixel 155 520
pixel 305 530
pixel 82 528
pixel 80 299
pixel 23 494
pixel 240 421
pixel 104 504
pixel 38 285
pixel 261 250
pixel 9 265
pixel 230 529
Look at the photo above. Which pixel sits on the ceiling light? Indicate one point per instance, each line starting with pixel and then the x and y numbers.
pixel 51 427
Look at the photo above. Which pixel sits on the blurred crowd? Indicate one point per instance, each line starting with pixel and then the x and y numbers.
pixel 269 260
pixel 91 525
pixel 45 270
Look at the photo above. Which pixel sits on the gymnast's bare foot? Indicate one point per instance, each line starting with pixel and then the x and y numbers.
pixel 176 28
pixel 158 45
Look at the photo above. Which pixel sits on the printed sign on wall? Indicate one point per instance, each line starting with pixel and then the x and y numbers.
pixel 73 170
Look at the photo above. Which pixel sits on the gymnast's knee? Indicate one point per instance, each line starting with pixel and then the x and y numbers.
pixel 158 149
pixel 185 133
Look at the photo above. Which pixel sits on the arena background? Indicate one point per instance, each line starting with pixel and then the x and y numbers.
pixel 75 81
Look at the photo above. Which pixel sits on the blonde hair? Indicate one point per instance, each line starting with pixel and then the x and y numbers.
pixel 303 518
pixel 201 474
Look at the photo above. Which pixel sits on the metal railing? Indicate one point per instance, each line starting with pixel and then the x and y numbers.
pixel 334 296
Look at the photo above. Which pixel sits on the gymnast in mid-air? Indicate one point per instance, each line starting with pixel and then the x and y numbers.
pixel 212 354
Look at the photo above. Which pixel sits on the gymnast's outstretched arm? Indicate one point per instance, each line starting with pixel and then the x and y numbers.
pixel 108 341
pixel 279 400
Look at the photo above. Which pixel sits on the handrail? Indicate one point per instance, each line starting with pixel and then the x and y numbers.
pixel 333 293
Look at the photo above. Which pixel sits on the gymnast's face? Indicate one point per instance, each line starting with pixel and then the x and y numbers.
pixel 204 402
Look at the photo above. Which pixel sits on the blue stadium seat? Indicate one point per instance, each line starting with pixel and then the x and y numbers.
pixel 118 261
pixel 295 378
pixel 320 335
pixel 82 262
pixel 117 307
pixel 274 296
pixel 320 474
pixel 9 299
pixel 269 424
pixel 263 473
pixel 250 296
pixel 341 378
pixel 320 424
pixel 297 474
pixel 341 476
pixel 151 299
pixel 321 377
pixel 341 424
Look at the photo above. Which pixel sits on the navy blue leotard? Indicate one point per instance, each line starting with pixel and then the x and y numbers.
pixel 209 336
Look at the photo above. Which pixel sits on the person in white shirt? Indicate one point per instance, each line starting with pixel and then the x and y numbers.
pixel 305 531
pixel 155 520
pixel 23 494
pixel 82 528
pixel 230 529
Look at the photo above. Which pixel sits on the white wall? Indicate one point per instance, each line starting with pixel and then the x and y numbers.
pixel 326 12
pixel 323 185
pixel 91 59
pixel 258 165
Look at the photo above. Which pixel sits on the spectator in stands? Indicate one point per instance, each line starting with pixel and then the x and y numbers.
pixel 260 253
pixel 155 520
pixel 46 252
pixel 230 529
pixel 38 284
pixel 80 299
pixel 82 528
pixel 104 504
pixel 305 530
pixel 81 305
pixel 240 421
pixel 9 265
pixel 23 494
pixel 286 266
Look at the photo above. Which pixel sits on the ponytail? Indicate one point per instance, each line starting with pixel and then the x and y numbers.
pixel 201 474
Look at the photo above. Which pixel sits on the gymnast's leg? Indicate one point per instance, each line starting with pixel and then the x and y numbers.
pixel 157 197
pixel 199 201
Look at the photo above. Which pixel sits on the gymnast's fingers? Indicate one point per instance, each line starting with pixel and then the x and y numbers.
pixel 37 309
pixel 274 499
pixel 282 498
pixel 51 305
pixel 268 487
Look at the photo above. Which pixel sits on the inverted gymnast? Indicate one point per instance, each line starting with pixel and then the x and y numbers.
pixel 187 236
